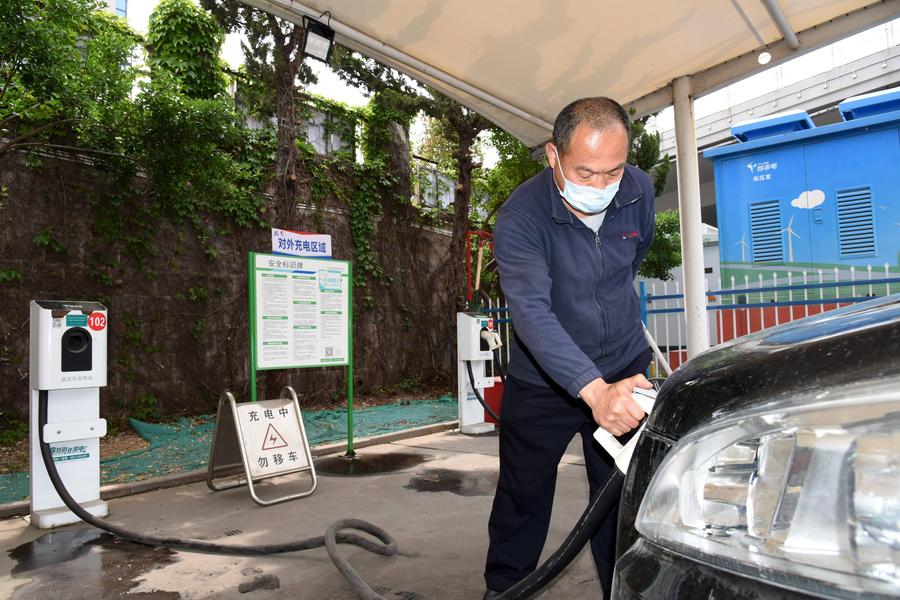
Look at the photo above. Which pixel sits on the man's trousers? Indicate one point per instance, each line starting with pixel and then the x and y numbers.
pixel 537 424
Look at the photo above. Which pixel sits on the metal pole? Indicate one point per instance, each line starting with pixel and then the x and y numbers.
pixel 643 296
pixel 251 321
pixel 657 352
pixel 780 19
pixel 350 451
pixel 691 223
pixel 478 268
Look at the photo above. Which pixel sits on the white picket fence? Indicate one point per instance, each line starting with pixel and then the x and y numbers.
pixel 738 307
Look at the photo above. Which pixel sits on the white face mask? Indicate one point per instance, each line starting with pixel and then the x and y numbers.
pixel 585 198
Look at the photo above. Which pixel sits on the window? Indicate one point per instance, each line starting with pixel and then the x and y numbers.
pixel 856 227
pixel 122 8
pixel 765 231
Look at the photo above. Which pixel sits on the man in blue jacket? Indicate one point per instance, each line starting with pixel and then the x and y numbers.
pixel 568 243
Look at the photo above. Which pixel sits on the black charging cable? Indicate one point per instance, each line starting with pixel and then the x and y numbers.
pixel 603 501
pixel 487 407
pixel 333 536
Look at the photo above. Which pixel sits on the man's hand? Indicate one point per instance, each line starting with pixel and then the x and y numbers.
pixel 611 404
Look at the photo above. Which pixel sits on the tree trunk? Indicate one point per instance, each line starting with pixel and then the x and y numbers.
pixel 461 198
pixel 286 158
pixel 398 204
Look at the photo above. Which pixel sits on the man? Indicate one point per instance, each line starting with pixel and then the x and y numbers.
pixel 568 243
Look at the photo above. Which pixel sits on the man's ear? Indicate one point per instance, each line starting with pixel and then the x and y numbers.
pixel 555 162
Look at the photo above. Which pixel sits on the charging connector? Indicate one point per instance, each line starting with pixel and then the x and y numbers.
pixel 622 454
pixel 492 338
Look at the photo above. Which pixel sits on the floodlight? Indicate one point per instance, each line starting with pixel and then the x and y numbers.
pixel 318 40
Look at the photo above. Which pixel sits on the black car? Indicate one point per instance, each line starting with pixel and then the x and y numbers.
pixel 770 468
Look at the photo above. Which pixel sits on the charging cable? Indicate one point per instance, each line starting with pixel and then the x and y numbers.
pixel 333 536
pixel 603 501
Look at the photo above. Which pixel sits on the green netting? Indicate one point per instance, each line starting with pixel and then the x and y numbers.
pixel 184 445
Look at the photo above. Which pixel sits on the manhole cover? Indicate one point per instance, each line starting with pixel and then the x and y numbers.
pixel 368 464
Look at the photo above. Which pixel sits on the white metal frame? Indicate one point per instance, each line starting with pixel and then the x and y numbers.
pixel 233 435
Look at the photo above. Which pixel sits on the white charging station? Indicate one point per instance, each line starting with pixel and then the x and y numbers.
pixel 471 347
pixel 68 361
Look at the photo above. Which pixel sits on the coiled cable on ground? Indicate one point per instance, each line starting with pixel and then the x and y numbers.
pixel 602 502
pixel 385 544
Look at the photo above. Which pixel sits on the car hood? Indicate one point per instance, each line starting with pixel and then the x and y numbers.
pixel 851 344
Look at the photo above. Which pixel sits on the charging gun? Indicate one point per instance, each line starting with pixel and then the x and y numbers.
pixel 622 454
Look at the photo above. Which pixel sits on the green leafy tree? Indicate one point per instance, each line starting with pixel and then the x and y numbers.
pixel 190 141
pixel 273 72
pixel 184 41
pixel 438 146
pixel 644 154
pixel 463 127
pixel 63 69
pixel 665 251
pixel 514 166
pixel 191 151
pixel 459 128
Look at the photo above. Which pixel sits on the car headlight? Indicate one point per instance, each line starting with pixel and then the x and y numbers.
pixel 802 492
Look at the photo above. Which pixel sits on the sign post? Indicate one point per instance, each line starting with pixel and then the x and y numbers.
pixel 301 316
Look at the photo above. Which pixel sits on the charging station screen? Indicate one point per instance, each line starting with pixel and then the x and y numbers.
pixel 300 310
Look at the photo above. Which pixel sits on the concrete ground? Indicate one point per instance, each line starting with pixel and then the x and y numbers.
pixel 436 509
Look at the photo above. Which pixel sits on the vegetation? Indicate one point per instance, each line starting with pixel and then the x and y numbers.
pixel 273 71
pixel 180 138
pixel 458 130
pixel 665 252
pixel 184 42
pixel 63 71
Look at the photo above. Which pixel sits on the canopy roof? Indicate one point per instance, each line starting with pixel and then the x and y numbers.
pixel 518 62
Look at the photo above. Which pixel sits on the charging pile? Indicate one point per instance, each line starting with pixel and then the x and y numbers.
pixel 478 359
pixel 68 364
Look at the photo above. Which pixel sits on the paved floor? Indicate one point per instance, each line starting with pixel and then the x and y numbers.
pixel 436 509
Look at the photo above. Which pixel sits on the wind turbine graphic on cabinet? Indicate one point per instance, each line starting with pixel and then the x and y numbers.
pixel 790 232
pixel 743 244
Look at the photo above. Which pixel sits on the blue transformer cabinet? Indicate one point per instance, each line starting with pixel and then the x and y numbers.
pixel 792 197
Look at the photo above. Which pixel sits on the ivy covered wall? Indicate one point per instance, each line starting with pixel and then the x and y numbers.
pixel 176 289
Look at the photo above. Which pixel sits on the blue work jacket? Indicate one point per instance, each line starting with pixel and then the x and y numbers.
pixel 570 292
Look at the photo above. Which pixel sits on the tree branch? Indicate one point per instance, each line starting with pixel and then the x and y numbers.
pixel 34 132
pixel 13 115
pixel 296 38
pixel 277 34
pixel 493 211
pixel 6 80
pixel 76 149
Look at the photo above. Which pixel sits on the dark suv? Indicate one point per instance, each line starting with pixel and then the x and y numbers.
pixel 770 468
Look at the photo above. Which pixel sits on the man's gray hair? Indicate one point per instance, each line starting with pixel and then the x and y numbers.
pixel 599 112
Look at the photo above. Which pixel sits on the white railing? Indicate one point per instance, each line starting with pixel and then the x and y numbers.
pixel 745 304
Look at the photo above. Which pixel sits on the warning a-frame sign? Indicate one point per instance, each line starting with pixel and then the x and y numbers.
pixel 261 439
